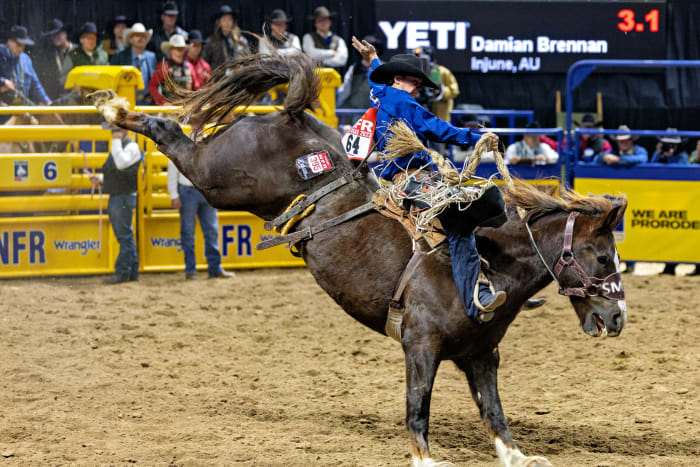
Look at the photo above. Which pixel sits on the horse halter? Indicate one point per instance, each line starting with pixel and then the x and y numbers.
pixel 609 287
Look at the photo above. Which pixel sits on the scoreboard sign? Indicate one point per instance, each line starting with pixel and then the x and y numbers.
pixel 523 36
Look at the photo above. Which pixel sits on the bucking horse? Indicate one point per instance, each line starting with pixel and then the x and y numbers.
pixel 250 165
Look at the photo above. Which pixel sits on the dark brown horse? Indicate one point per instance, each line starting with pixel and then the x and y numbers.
pixel 250 165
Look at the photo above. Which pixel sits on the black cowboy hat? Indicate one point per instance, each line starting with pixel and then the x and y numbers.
pixel 400 65
pixel 588 121
pixel 225 10
pixel 169 8
pixel 279 15
pixel 196 36
pixel 19 34
pixel 322 12
pixel 87 28
pixel 54 26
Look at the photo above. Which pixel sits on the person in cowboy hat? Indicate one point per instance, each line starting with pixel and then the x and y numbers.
pixel 179 70
pixel 200 67
pixel 591 146
pixel 167 28
pixel 667 150
pixel 137 36
pixel 394 87
pixel 628 153
pixel 226 43
pixel 18 80
pixel 277 36
pixel 328 49
pixel 118 26
pixel 52 63
pixel 88 53
pixel 530 150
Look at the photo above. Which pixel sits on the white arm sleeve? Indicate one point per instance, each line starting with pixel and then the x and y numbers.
pixel 173 174
pixel 551 155
pixel 341 55
pixel 125 157
pixel 320 55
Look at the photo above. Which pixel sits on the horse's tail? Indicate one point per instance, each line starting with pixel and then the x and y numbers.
pixel 243 81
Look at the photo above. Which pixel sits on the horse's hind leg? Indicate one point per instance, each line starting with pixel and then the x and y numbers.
pixel 482 375
pixel 167 134
pixel 421 366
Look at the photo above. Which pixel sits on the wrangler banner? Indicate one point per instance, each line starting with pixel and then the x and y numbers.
pixel 662 221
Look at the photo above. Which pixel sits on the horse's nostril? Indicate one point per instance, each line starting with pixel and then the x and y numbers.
pixel 617 319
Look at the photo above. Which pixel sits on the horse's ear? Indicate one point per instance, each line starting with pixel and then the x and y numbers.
pixel 613 218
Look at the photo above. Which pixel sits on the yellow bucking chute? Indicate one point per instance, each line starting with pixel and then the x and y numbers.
pixel 125 80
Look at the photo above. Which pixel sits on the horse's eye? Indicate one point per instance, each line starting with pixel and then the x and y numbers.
pixel 603 259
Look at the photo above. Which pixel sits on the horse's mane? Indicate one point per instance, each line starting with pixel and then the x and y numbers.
pixel 538 202
pixel 251 77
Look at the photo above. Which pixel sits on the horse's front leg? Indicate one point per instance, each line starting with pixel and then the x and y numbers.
pixel 422 362
pixel 482 375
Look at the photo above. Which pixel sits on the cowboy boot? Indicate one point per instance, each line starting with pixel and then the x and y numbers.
pixel 486 299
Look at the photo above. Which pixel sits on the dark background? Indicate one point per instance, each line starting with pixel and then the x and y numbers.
pixel 645 100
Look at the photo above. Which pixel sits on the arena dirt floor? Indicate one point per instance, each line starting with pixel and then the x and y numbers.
pixel 267 370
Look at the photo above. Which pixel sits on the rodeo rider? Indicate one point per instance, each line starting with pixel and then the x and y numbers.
pixel 394 87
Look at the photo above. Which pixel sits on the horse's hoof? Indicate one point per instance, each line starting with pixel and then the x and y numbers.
pixel 429 462
pixel 101 96
pixel 533 461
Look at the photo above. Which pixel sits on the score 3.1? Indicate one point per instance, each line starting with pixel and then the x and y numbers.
pixel 628 24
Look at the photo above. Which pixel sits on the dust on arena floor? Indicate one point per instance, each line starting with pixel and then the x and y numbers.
pixel 267 370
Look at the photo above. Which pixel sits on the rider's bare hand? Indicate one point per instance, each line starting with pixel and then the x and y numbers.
pixel 366 49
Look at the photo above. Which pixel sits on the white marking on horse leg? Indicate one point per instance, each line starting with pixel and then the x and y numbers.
pixel 512 457
pixel 429 462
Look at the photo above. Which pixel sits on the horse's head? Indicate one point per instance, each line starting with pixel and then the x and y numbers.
pixel 590 273
pixel 573 238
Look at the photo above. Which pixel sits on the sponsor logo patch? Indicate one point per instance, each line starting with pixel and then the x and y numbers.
pixel 315 164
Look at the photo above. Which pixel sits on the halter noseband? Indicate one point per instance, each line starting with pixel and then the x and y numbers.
pixel 610 287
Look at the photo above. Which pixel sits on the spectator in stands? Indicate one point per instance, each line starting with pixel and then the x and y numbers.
pixel 200 67
pixel 226 43
pixel 176 66
pixel 118 41
pixel 87 53
pixel 276 35
pixel 695 155
pixel 629 154
pixel 192 205
pixel 136 55
pixel 19 84
pixel 591 145
pixel 530 150
pixel 328 49
pixel 354 92
pixel 167 28
pixel 52 62
pixel 119 177
pixel 667 150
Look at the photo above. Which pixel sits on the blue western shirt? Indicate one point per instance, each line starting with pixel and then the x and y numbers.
pixel 394 104
pixel 680 158
pixel 639 155
pixel 20 71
